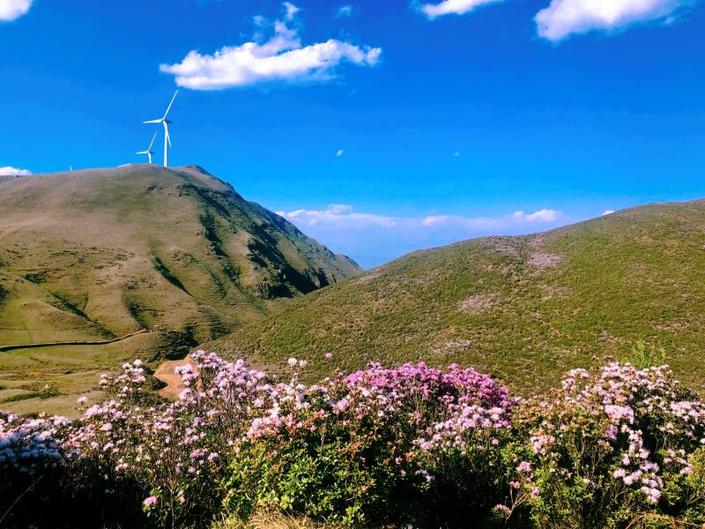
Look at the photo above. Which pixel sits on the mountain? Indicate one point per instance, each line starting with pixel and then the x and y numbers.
pixel 167 257
pixel 525 309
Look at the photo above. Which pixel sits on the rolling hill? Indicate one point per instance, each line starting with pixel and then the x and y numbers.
pixel 136 260
pixel 525 309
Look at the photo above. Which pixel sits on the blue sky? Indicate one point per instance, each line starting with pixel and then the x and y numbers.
pixel 376 126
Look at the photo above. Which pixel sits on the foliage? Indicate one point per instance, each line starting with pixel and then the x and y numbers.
pixel 607 446
pixel 644 355
pixel 380 447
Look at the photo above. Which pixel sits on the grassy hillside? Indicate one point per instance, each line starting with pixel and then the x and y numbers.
pixel 525 309
pixel 96 255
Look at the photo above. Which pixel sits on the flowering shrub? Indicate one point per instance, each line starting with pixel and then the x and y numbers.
pixel 605 446
pixel 371 447
pixel 28 446
pixel 30 452
pixel 378 447
pixel 177 451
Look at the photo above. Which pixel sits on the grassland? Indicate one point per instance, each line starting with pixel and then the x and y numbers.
pixel 524 309
pixel 95 255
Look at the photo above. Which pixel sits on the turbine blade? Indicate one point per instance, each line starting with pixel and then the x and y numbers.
pixel 167 138
pixel 152 142
pixel 170 104
pixel 153 121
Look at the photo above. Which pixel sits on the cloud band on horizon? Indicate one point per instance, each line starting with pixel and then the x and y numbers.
pixel 344 215
pixel 372 238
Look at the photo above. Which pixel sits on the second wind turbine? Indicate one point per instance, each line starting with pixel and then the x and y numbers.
pixel 165 122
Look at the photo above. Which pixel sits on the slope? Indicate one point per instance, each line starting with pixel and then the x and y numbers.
pixel 92 256
pixel 525 309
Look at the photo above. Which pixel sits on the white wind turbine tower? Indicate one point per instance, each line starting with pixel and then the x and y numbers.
pixel 149 152
pixel 165 122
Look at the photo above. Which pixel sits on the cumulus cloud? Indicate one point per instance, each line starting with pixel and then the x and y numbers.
pixel 281 58
pixel 12 9
pixel 452 7
pixel 563 18
pixel 13 171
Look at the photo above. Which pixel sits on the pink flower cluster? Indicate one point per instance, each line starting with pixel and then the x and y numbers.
pixel 636 427
pixel 442 409
pixel 639 421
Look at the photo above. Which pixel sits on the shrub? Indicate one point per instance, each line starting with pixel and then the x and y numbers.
pixel 175 451
pixel 643 355
pixel 30 453
pixel 375 447
pixel 623 447
pixel 606 447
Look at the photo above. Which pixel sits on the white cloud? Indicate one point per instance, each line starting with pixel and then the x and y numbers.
pixel 13 171
pixel 340 153
pixel 542 215
pixel 12 9
pixel 563 18
pixel 291 11
pixel 344 11
pixel 343 216
pixel 607 212
pixel 281 58
pixel 372 238
pixel 337 215
pixel 453 7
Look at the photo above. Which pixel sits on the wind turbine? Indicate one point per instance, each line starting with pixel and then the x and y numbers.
pixel 149 152
pixel 165 122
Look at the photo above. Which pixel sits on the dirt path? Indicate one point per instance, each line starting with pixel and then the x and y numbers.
pixel 78 342
pixel 166 373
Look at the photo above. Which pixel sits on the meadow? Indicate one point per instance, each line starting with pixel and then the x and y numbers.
pixel 622 446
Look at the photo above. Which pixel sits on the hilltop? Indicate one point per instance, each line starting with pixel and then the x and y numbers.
pixel 153 260
pixel 522 308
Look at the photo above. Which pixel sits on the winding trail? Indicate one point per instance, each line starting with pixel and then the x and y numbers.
pixel 166 373
pixel 4 348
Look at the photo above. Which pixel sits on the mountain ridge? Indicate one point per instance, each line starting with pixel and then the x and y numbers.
pixel 96 254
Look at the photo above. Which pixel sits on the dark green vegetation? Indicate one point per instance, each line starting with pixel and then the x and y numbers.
pixel 96 255
pixel 524 309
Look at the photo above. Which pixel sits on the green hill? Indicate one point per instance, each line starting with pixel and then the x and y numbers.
pixel 525 309
pixel 93 256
